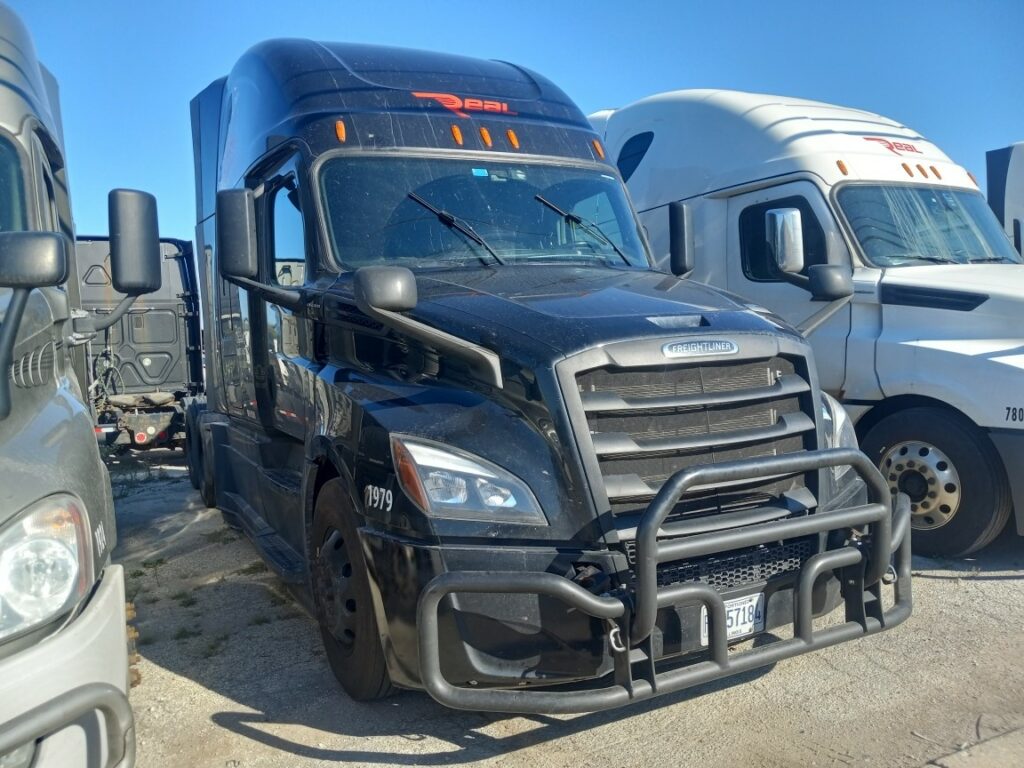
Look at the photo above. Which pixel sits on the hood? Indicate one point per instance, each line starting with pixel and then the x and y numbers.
pixel 566 309
pixel 997 281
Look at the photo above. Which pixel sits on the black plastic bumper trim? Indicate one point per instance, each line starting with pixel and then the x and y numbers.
pixel 860 569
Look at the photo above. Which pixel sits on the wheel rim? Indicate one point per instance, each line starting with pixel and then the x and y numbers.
pixel 335 590
pixel 928 477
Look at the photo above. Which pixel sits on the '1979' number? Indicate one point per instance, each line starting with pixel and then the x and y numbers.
pixel 375 497
pixel 1014 414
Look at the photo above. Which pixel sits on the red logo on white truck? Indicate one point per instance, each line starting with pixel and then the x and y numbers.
pixel 896 147
pixel 460 106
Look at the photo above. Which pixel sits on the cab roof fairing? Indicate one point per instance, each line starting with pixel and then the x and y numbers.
pixel 706 140
pixel 284 89
pixel 27 89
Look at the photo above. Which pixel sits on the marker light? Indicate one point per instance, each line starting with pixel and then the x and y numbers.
pixel 935 171
pixel 907 169
pixel 486 136
pixel 457 134
pixel 512 138
pixel 598 149
pixel 842 168
pixel 339 131
pixel 971 177
pixel 922 170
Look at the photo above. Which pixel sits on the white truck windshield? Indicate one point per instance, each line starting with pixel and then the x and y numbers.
pixel 911 225
pixel 430 212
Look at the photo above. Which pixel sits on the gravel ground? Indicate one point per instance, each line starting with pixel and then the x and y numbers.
pixel 233 674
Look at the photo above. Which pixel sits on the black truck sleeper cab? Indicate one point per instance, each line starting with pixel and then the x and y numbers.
pixel 496 454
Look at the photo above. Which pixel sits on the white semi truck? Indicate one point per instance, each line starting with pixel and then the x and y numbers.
pixel 928 352
pixel 1005 173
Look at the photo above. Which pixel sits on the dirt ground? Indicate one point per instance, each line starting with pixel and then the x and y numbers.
pixel 233 674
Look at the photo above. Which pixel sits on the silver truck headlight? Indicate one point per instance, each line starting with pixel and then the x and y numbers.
pixel 446 482
pixel 46 565
pixel 839 431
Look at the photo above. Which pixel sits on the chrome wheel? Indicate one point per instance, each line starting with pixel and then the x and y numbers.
pixel 928 477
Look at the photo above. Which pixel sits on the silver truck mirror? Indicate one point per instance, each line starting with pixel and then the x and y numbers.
pixel 135 261
pixel 236 234
pixel 785 239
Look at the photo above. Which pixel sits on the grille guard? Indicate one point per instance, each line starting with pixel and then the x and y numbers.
pixel 861 565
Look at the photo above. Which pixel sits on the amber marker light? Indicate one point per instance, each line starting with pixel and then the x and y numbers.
pixel 907 169
pixel 407 474
pixel 457 134
pixel 339 131
pixel 971 177
pixel 842 167
pixel 935 171
pixel 598 149
pixel 512 138
pixel 922 170
pixel 485 135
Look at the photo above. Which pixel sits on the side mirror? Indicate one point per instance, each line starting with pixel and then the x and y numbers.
pixel 829 282
pixel 392 289
pixel 680 239
pixel 785 239
pixel 236 235
pixel 27 260
pixel 134 242
pixel 32 259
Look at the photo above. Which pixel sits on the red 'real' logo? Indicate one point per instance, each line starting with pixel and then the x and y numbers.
pixel 461 106
pixel 896 147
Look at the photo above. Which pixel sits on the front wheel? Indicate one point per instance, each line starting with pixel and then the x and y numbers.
pixel 341 594
pixel 959 496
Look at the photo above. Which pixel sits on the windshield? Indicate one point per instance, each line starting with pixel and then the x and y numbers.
pixel 430 212
pixel 911 225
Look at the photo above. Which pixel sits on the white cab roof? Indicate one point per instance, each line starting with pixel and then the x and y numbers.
pixel 709 140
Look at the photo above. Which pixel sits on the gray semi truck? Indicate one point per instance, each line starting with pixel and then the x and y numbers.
pixel 145 370
pixel 496 453
pixel 63 638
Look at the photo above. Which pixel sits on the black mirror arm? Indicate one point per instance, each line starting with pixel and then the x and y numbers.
pixel 113 317
pixel 8 334
pixel 815 321
pixel 289 298
pixel 801 281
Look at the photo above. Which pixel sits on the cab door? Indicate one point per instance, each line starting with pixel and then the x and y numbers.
pixel 753 274
pixel 283 380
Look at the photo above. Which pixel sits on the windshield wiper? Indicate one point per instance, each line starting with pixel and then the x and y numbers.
pixel 993 260
pixel 585 225
pixel 454 222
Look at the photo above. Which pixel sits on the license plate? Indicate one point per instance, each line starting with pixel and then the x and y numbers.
pixel 743 616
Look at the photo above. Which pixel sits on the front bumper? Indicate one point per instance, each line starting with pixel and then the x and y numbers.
pixel 872 533
pixel 69 692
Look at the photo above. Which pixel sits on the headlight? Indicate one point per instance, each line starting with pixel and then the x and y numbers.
pixel 839 431
pixel 446 482
pixel 46 563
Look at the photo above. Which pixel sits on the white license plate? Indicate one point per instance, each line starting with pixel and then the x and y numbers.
pixel 743 616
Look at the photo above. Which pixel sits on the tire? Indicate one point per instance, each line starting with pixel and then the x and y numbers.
pixel 960 497
pixel 342 600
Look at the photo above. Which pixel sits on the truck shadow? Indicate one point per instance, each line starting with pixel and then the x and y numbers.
pixel 1002 560
pixel 209 612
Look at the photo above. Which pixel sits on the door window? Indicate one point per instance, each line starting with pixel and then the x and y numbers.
pixel 758 263
pixel 288 259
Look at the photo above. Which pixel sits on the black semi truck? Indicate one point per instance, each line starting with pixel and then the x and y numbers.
pixel 146 369
pixel 497 454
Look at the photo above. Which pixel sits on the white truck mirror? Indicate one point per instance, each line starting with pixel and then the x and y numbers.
pixel 785 239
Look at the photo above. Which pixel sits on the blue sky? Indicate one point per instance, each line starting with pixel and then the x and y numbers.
pixel 127 69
